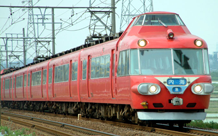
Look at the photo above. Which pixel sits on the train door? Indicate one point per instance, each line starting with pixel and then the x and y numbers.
pixel 83 79
pixel 88 75
pixel 25 84
pixel 11 88
pixel 112 71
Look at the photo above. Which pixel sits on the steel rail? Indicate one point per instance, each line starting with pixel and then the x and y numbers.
pixel 35 125
pixel 202 132
pixel 64 125
pixel 162 129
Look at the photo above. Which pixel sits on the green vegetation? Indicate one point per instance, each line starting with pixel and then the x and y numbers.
pixel 8 132
pixel 204 125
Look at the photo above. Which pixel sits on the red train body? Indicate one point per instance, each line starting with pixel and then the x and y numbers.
pixel 156 67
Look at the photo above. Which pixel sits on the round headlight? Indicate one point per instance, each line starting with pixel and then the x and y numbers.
pixel 198 88
pixel 142 42
pixel 152 89
pixel 198 43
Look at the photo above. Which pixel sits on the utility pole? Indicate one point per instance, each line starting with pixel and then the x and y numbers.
pixel 24 48
pixel 113 21
pixel 132 8
pixel 53 33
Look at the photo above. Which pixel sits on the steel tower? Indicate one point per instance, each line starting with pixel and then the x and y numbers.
pixel 132 8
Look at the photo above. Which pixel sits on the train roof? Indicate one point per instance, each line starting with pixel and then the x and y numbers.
pixel 158 12
pixel 86 45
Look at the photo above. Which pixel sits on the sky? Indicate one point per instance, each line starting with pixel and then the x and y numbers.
pixel 200 16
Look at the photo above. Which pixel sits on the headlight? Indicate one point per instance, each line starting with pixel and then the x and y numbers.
pixel 202 88
pixel 148 89
pixel 142 42
pixel 198 43
pixel 198 88
pixel 152 89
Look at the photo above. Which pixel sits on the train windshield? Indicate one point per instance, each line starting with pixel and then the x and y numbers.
pixel 159 19
pixel 169 62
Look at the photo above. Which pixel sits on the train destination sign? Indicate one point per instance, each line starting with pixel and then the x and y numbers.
pixel 176 81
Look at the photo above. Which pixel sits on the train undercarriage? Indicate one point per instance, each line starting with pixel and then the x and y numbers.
pixel 116 112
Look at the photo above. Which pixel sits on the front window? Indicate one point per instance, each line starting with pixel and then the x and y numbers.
pixel 159 19
pixel 169 62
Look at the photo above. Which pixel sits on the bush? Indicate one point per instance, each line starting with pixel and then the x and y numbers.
pixel 204 125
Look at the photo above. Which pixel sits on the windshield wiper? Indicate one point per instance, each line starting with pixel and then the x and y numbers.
pixel 161 22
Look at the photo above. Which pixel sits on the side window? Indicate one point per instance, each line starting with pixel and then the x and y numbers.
pixel 107 66
pixel 19 81
pixel 14 83
pixel 84 68
pixel 7 84
pixel 102 66
pixel 123 65
pixel 24 80
pixel 50 75
pixel 33 79
pixel 29 79
pixel 66 72
pixel 74 71
pixel 44 76
pixel 93 65
pixel 11 82
pixel 97 67
pixel 56 75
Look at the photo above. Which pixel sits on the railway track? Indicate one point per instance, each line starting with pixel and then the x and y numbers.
pixel 164 130
pixel 37 124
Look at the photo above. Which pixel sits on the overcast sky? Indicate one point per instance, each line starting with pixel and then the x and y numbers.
pixel 200 16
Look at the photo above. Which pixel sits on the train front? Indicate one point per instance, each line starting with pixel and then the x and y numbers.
pixel 169 69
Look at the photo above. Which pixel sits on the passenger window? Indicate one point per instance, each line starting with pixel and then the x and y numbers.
pixel 66 71
pixel 102 66
pixel 123 65
pixel 7 84
pixel 28 79
pixel 14 83
pixel 11 82
pixel 19 81
pixel 84 69
pixel 107 66
pixel 74 71
pixel 93 65
pixel 24 80
pixel 97 67
pixel 50 75
pixel 44 76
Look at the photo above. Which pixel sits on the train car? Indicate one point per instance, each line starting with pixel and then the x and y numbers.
pixel 156 71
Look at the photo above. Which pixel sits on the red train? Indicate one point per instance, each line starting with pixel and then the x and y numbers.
pixel 155 71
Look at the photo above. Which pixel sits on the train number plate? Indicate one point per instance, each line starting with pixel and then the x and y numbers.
pixel 176 81
pixel 177 89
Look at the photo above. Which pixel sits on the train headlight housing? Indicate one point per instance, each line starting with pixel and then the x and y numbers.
pixel 142 42
pixel 202 88
pixel 198 43
pixel 148 89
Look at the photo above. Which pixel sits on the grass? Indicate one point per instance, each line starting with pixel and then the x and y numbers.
pixel 8 132
pixel 203 125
